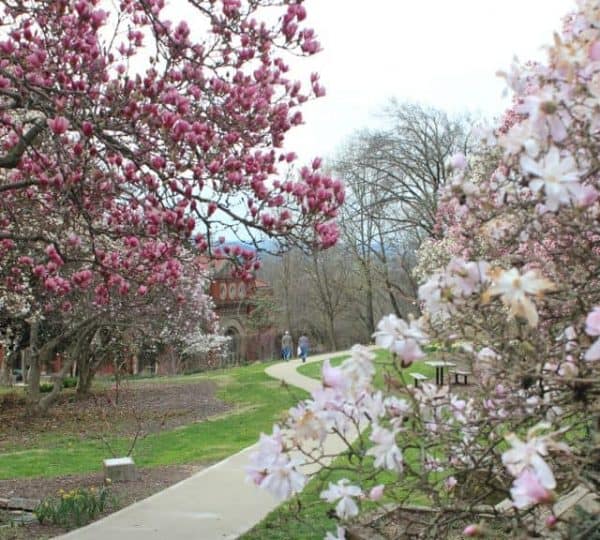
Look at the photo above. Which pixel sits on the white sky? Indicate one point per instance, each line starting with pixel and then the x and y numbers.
pixel 443 53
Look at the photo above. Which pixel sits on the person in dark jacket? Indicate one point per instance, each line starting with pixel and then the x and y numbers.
pixel 303 346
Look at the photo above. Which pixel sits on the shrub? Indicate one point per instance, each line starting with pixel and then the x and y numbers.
pixel 70 382
pixel 74 508
pixel 46 387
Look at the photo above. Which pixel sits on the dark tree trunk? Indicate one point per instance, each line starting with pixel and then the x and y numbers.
pixel 5 370
pixel 85 375
pixel 32 369
pixel 331 332
pixel 370 311
pixel 40 356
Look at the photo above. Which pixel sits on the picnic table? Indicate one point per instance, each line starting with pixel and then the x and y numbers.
pixel 439 366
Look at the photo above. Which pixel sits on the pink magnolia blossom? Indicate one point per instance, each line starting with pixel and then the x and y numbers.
pixel 529 455
pixel 376 492
pixel 592 328
pixel 528 490
pixel 408 350
pixel 473 530
pixel 592 322
pixel 458 161
pixel 333 377
pixel 450 483
pixel 58 125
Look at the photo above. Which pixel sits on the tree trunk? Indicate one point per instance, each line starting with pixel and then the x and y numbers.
pixel 369 301
pixel 39 356
pixel 45 402
pixel 286 293
pixel 77 351
pixel 392 298
pixel 85 375
pixel 32 369
pixel 5 369
pixel 331 332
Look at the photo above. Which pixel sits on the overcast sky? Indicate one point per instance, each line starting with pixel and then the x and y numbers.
pixel 443 53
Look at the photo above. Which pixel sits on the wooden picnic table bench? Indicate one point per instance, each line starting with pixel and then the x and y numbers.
pixel 418 377
pixel 461 373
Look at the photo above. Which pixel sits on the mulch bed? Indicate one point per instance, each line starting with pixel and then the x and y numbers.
pixel 149 481
pixel 150 406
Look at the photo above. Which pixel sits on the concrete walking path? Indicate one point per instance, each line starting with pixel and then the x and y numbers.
pixel 214 504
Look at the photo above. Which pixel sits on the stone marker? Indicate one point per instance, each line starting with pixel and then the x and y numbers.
pixel 21 503
pixel 119 469
pixel 22 518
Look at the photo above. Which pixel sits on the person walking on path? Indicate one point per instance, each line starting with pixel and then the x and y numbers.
pixel 286 346
pixel 303 346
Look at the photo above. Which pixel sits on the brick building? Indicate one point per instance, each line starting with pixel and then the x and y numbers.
pixel 238 305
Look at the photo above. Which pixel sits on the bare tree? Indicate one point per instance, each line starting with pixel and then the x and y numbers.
pixel 329 275
pixel 393 178
pixel 408 163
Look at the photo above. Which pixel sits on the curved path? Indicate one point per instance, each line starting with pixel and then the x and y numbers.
pixel 215 503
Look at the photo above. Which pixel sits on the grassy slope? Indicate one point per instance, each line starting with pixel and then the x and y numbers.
pixel 258 402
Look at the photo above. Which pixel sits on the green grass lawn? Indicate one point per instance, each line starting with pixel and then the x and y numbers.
pixel 258 401
pixel 383 364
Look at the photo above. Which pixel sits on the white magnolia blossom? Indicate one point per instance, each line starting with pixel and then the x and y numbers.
pixel 283 478
pixel 372 405
pixel 270 448
pixel 344 493
pixel 558 176
pixel 397 408
pixel 359 367
pixel 307 423
pixel 544 114
pixel 514 290
pixel 593 353
pixel 386 452
pixel 333 377
pixel 202 343
pixel 274 470
pixel 447 289
pixel 436 297
pixel 401 338
pixel 332 407
pixel 466 277
pixel 339 535
pixel 520 137
pixel 461 409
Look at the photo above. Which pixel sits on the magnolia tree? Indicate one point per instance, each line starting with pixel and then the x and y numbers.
pixel 127 135
pixel 511 289
pixel 88 336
